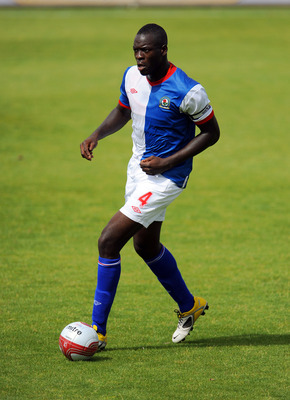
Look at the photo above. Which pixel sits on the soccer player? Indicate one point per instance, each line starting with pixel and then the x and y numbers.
pixel 165 106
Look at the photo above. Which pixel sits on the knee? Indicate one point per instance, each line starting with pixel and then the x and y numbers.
pixel 102 242
pixel 146 251
pixel 139 248
pixel 106 245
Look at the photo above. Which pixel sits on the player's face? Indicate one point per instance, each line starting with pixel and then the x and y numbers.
pixel 151 58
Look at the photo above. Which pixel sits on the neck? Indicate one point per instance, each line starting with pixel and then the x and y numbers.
pixel 160 73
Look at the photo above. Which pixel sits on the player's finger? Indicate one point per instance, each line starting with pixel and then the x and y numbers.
pixel 85 152
pixel 147 160
pixel 145 167
pixel 91 147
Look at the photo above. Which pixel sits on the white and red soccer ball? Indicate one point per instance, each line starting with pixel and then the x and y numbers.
pixel 78 341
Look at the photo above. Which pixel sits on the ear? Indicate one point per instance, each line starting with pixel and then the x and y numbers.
pixel 164 50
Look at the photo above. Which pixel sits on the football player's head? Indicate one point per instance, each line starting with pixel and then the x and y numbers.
pixel 150 50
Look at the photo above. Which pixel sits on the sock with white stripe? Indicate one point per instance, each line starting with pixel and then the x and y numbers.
pixel 165 268
pixel 109 271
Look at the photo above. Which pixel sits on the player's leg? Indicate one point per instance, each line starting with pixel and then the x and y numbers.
pixel 115 235
pixel 147 241
pixel 162 264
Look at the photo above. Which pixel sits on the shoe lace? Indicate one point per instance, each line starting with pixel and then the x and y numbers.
pixel 184 321
pixel 180 317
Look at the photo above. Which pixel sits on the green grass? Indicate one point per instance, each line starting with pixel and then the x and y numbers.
pixel 60 73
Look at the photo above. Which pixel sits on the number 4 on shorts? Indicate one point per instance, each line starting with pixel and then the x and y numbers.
pixel 144 199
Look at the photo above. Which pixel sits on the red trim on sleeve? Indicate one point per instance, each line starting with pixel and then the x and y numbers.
pixel 206 119
pixel 123 105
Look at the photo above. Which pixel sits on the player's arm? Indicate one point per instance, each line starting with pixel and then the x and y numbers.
pixel 117 118
pixel 208 136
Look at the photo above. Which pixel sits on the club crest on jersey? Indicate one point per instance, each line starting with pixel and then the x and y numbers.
pixel 164 103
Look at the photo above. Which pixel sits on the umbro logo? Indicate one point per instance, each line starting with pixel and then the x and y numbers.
pixel 133 91
pixel 136 209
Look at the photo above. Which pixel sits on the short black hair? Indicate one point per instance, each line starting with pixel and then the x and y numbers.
pixel 159 33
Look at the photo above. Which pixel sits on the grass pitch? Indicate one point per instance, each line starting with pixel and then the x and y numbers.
pixel 60 74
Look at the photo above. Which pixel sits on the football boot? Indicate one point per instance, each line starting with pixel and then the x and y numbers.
pixel 102 339
pixel 186 320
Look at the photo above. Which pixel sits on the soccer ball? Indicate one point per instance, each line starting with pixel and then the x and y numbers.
pixel 78 341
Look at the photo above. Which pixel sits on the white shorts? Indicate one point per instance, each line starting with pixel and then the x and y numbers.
pixel 146 196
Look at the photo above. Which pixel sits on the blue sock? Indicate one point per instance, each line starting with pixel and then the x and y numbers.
pixel 165 268
pixel 109 272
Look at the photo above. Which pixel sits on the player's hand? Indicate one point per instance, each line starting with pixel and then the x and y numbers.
pixel 154 165
pixel 87 147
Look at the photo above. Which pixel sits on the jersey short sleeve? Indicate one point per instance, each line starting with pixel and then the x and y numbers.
pixel 196 105
pixel 123 99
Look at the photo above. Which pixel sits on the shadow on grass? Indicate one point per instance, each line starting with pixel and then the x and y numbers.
pixel 243 340
pixel 221 341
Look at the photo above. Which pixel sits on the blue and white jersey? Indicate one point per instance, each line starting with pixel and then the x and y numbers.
pixel 164 115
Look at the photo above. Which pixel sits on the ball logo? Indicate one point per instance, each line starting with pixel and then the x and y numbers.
pixel 74 329
pixel 164 103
